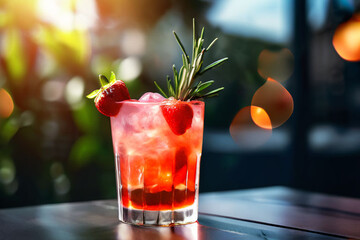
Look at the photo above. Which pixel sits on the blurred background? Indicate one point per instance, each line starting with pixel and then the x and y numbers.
pixel 56 147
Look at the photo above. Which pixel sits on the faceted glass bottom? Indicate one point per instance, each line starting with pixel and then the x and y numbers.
pixel 158 218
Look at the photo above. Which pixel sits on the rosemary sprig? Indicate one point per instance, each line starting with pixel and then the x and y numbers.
pixel 184 87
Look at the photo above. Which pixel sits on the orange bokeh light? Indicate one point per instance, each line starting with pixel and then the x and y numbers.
pixel 275 100
pixel 278 65
pixel 7 104
pixel 245 132
pixel 260 117
pixel 346 39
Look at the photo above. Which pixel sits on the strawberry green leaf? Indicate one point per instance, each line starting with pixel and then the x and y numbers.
pixel 112 77
pixel 93 94
pixel 103 80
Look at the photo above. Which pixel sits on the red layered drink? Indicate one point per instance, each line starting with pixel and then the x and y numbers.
pixel 157 169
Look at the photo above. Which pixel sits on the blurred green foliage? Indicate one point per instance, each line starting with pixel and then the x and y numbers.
pixel 13 52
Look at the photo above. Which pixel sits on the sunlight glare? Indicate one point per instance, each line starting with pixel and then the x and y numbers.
pixel 68 14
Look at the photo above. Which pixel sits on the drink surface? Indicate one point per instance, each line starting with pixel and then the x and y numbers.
pixel 156 169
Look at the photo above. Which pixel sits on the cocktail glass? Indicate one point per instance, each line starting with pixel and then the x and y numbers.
pixel 157 171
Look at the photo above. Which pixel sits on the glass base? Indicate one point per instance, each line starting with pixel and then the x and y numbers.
pixel 158 218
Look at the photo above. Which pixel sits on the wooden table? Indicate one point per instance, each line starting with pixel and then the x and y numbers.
pixel 265 213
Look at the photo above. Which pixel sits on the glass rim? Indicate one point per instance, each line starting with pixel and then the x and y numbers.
pixel 136 102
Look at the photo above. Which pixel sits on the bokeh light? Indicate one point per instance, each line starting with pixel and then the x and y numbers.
pixel 46 64
pixel 8 176
pixel 62 185
pixel 56 170
pixel 101 64
pixel 245 132
pixel 74 91
pixel 7 104
pixel 50 129
pixel 346 39
pixel 61 181
pixel 275 100
pixel 129 69
pixel 260 117
pixel 7 171
pixel 11 188
pixel 277 65
pixel 133 42
pixel 26 118
pixel 53 90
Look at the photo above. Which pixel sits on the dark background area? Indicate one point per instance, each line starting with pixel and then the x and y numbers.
pixel 56 147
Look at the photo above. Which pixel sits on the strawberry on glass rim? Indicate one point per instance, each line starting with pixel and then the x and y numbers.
pixel 112 92
pixel 178 115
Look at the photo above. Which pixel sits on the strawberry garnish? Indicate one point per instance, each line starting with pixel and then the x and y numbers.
pixel 108 96
pixel 178 115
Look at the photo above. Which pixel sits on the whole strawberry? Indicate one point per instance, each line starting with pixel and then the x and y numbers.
pixel 107 98
pixel 178 115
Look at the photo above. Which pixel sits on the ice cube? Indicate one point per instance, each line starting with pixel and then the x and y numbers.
pixel 151 97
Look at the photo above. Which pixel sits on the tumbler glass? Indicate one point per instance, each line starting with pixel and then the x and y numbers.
pixel 157 171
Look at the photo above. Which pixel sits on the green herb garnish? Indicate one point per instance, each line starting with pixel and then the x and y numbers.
pixel 184 86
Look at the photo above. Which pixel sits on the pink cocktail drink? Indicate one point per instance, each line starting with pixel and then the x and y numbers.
pixel 157 170
pixel 158 139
